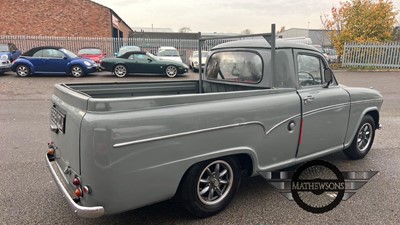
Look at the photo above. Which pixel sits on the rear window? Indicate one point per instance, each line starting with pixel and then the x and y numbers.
pixel 235 66
pixel 168 52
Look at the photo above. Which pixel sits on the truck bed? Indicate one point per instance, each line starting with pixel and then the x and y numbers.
pixel 137 95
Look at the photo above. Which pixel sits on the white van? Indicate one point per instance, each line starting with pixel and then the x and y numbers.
pixel 169 53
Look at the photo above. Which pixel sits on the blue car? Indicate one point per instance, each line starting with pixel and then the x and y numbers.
pixel 9 52
pixel 52 60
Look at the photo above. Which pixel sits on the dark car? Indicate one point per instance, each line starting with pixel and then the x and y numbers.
pixel 126 48
pixel 52 60
pixel 9 52
pixel 142 62
pixel 5 65
pixel 94 54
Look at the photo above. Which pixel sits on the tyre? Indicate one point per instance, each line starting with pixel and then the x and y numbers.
pixel 209 186
pixel 76 71
pixel 171 71
pixel 193 69
pixel 363 139
pixel 120 70
pixel 23 70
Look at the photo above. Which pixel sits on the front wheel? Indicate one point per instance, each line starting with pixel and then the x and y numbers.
pixel 209 186
pixel 76 71
pixel 171 71
pixel 120 71
pixel 23 70
pixel 363 139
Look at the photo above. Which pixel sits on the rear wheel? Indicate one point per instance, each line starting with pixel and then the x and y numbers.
pixel 120 71
pixel 76 71
pixel 363 140
pixel 171 71
pixel 193 68
pixel 209 186
pixel 23 70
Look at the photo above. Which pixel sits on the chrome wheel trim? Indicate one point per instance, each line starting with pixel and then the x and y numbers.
pixel 22 71
pixel 364 137
pixel 120 71
pixel 76 71
pixel 171 71
pixel 215 182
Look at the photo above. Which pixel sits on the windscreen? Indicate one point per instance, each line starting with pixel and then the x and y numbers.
pixel 235 66
pixel 3 48
pixel 168 52
pixel 90 51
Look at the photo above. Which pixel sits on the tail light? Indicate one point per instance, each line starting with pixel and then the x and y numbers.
pixel 78 192
pixel 76 181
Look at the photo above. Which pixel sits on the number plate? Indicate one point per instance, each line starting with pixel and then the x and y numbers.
pixel 58 119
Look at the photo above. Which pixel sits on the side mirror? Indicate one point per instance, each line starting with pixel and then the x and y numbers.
pixel 328 77
pixel 150 60
pixel 104 53
pixel 115 54
pixel 65 57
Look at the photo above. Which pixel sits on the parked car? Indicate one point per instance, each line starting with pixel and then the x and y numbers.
pixel 5 65
pixel 169 53
pixel 9 52
pixel 194 60
pixel 142 62
pixel 52 60
pixel 95 54
pixel 320 49
pixel 127 48
pixel 332 55
pixel 120 146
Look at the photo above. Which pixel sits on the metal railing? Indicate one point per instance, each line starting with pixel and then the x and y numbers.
pixel 384 55
pixel 111 45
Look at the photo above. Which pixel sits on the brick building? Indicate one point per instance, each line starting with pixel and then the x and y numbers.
pixel 61 18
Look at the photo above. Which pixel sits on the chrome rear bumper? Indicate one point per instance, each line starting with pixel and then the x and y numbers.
pixel 81 211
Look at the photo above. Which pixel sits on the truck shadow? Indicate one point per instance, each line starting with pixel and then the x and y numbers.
pixel 254 191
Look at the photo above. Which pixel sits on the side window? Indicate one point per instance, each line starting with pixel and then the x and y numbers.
pixel 38 53
pixel 310 70
pixel 236 66
pixel 132 57
pixel 141 58
pixel 52 53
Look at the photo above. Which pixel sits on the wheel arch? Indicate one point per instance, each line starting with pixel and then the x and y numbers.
pixel 371 111
pixel 246 161
pixel 81 65
pixel 375 115
pixel 117 64
pixel 25 63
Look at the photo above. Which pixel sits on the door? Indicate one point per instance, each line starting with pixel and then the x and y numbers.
pixel 56 61
pixel 325 110
pixel 141 63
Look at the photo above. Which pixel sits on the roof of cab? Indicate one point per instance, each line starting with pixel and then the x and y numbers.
pixel 262 43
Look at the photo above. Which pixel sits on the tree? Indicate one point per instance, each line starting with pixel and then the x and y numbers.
pixel 185 30
pixel 360 21
pixel 246 31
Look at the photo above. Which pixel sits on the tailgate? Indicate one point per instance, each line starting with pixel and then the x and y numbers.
pixel 67 111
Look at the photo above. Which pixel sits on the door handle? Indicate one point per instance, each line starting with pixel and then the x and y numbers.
pixel 307 99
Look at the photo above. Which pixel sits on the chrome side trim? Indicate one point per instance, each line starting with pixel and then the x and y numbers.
pixel 81 211
pixel 326 108
pixel 365 101
pixel 186 133
pixel 280 123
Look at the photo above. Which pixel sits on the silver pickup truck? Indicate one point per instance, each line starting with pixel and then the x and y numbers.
pixel 259 106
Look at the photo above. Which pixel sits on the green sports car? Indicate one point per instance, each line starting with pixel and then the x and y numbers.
pixel 142 62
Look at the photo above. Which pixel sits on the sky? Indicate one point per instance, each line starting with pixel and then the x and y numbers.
pixel 224 16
